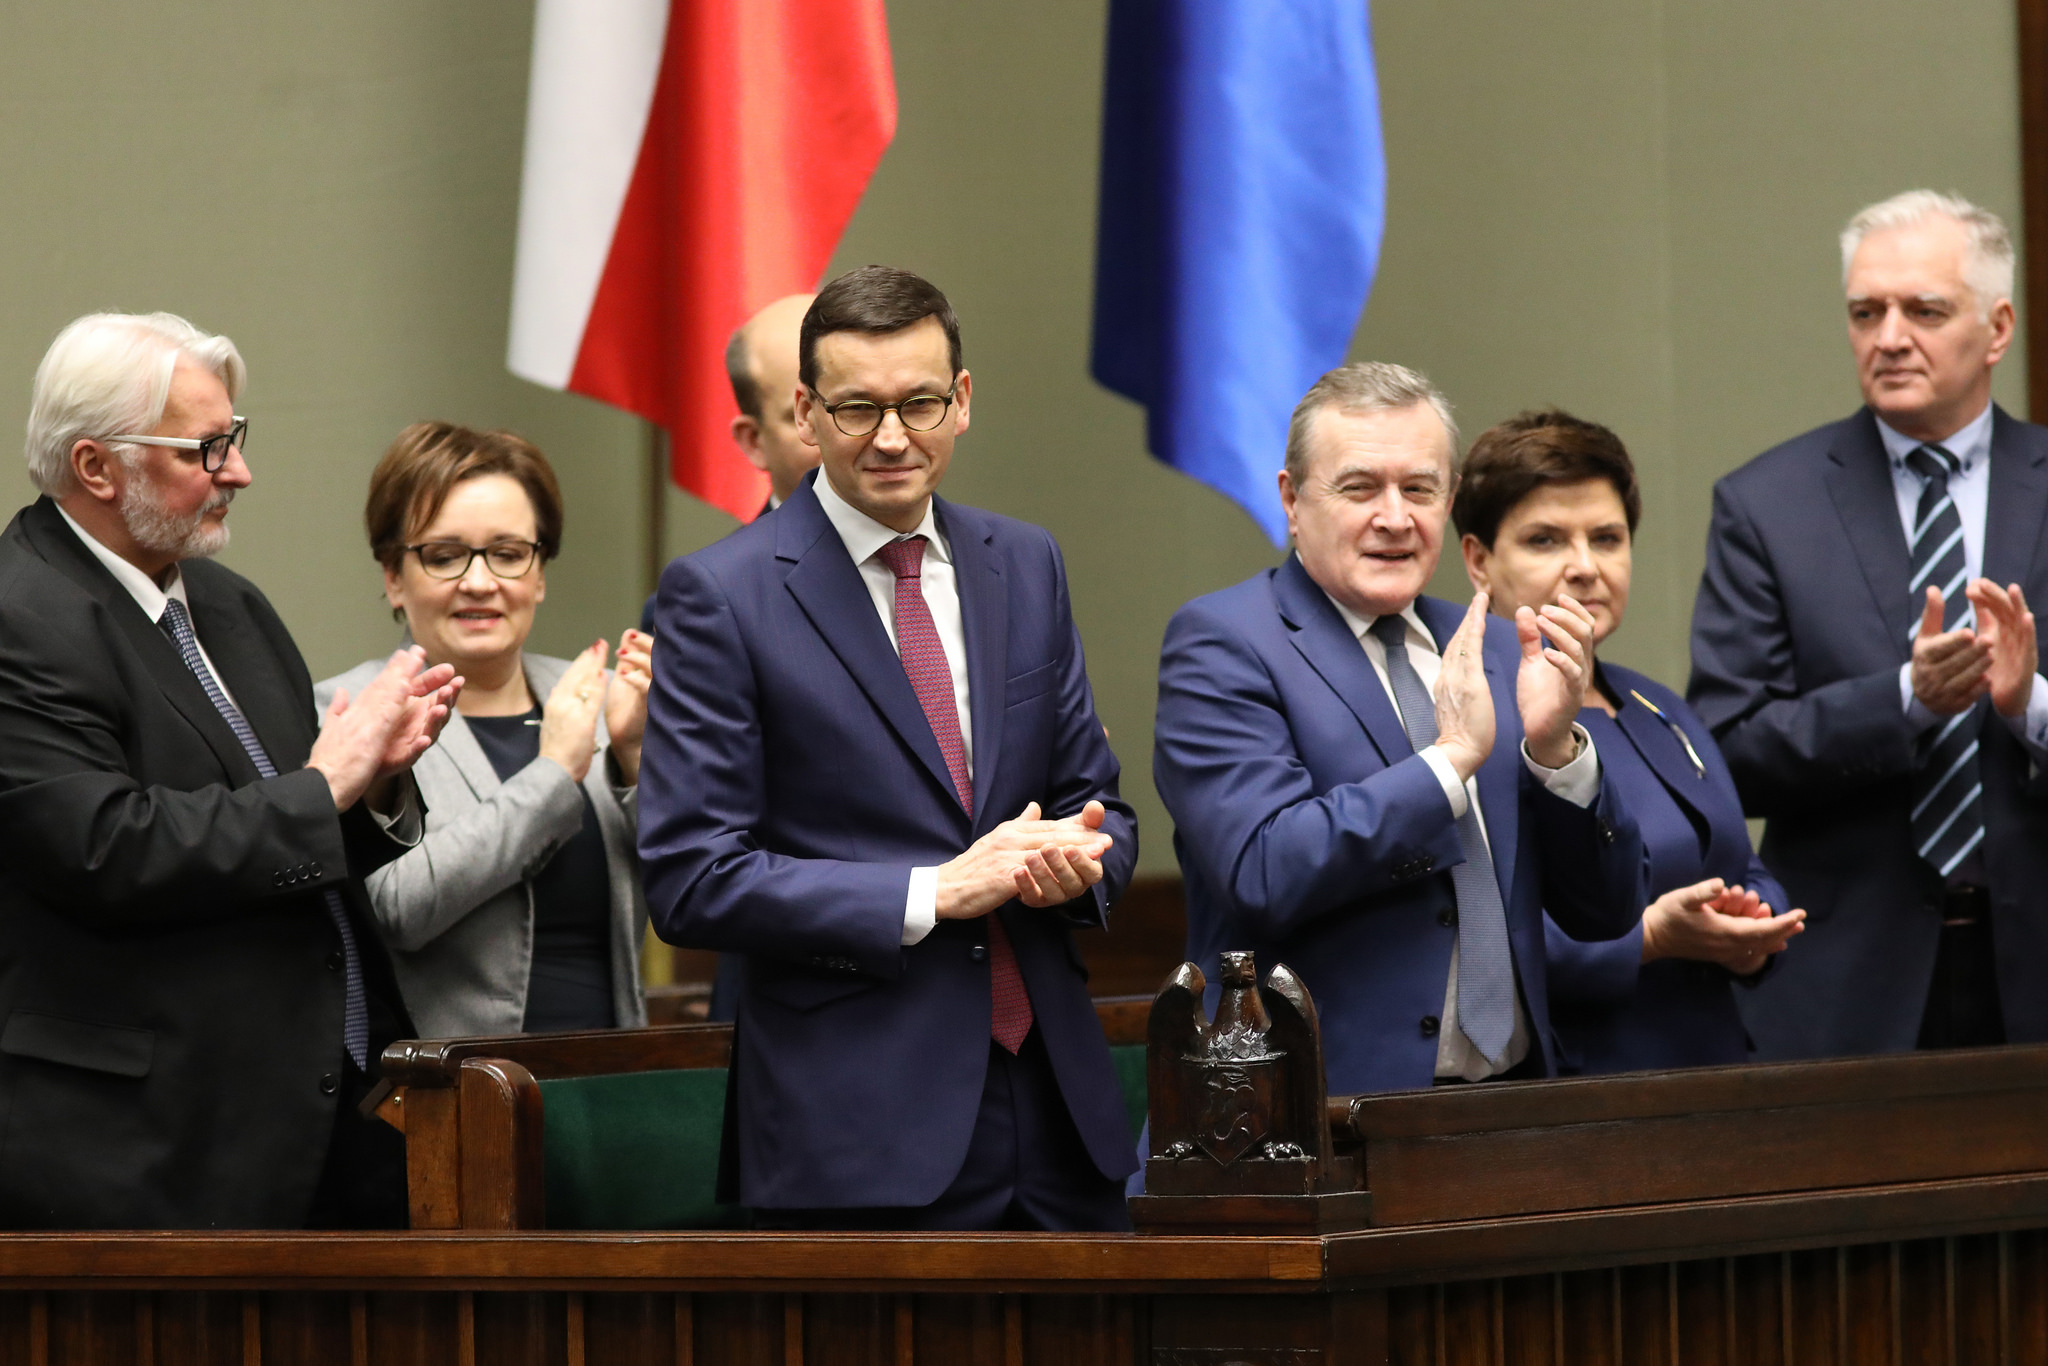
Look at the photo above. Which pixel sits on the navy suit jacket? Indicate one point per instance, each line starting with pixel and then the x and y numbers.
pixel 1610 1011
pixel 1310 832
pixel 1803 619
pixel 791 783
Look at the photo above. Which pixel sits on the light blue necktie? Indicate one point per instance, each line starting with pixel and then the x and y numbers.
pixel 355 1019
pixel 1486 968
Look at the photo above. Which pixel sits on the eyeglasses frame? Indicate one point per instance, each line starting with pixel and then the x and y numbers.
pixel 832 410
pixel 232 438
pixel 474 551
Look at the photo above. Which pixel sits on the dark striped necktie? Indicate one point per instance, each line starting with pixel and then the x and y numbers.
pixel 1486 965
pixel 1948 795
pixel 355 1019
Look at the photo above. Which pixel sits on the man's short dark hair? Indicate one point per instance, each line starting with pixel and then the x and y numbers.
pixel 1511 460
pixel 739 370
pixel 875 300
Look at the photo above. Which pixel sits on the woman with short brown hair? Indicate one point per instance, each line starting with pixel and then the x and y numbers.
pixel 520 908
pixel 1547 507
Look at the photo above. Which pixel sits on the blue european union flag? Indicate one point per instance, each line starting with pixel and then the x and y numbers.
pixel 1243 196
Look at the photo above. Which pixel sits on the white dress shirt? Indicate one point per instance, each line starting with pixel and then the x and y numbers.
pixel 1969 488
pixel 1578 782
pixel 148 596
pixel 863 536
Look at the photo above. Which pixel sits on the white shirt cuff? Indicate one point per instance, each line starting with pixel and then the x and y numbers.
pixel 1454 786
pixel 2031 725
pixel 921 906
pixel 407 824
pixel 1578 782
pixel 1918 717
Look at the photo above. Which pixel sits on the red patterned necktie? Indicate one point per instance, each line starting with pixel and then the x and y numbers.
pixel 924 661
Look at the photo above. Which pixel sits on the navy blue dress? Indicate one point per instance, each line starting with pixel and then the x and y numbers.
pixel 1609 1010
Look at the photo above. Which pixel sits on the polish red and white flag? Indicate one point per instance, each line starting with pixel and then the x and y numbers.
pixel 687 162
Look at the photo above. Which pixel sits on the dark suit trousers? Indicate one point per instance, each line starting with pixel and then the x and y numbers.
pixel 362 1180
pixel 1026 1167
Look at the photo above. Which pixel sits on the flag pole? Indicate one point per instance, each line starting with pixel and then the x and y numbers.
pixel 656 494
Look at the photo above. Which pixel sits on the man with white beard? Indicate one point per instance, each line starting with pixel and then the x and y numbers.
pixel 192 999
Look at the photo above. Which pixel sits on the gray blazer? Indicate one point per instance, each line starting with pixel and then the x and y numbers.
pixel 457 909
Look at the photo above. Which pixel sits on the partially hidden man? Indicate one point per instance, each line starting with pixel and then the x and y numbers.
pixel 1863 651
pixel 874 768
pixel 192 995
pixel 1378 788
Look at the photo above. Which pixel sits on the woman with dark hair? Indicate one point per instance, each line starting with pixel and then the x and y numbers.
pixel 1547 507
pixel 521 907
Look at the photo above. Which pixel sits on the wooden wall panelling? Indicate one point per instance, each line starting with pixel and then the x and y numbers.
pixel 2033 57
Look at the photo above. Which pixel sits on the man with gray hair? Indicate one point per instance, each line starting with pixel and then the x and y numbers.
pixel 1863 650
pixel 192 998
pixel 1377 787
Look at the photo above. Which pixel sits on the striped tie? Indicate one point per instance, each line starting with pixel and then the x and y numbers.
pixel 1948 795
pixel 355 1018
pixel 931 678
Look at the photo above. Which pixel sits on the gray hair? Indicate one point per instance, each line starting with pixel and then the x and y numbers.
pixel 1364 386
pixel 110 373
pixel 1987 266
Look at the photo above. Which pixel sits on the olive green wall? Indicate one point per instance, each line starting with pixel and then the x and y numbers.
pixel 1624 208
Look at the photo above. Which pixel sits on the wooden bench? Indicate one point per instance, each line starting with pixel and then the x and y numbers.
pixel 475 1116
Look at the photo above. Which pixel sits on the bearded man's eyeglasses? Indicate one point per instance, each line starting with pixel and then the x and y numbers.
pixel 213 450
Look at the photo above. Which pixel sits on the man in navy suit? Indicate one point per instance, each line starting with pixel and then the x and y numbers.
pixel 1347 768
pixel 760 364
pixel 1863 651
pixel 873 767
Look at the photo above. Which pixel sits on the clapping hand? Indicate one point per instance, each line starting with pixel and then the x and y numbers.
pixel 376 736
pixel 1464 703
pixel 568 719
pixel 1951 669
pixel 2005 629
pixel 1040 862
pixel 625 701
pixel 1713 922
pixel 1550 686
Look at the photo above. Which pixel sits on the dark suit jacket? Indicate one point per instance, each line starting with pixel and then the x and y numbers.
pixel 1802 622
pixel 791 783
pixel 1310 832
pixel 170 982
pixel 1610 1011
pixel 725 986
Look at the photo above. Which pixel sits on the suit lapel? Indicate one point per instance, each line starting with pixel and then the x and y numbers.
pixel 1326 642
pixel 60 548
pixel 2018 500
pixel 985 621
pixel 252 677
pixel 1500 777
pixel 828 587
pixel 1859 481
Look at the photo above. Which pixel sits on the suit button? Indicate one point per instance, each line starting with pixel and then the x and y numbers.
pixel 314 869
pixel 979 953
pixel 328 1084
pixel 1447 917
pixel 277 879
pixel 334 961
pixel 1430 1025
pixel 1606 832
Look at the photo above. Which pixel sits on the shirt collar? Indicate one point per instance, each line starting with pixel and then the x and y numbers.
pixel 1969 445
pixel 1418 634
pixel 863 535
pixel 148 596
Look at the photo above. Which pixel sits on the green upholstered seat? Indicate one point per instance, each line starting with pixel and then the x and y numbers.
pixel 635 1150
pixel 639 1150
